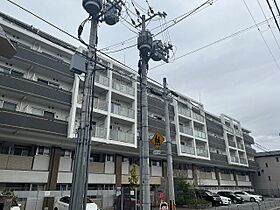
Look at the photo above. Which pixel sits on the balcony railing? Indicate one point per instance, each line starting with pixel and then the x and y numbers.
pixel 198 117
pixel 243 161
pixel 121 136
pixel 123 111
pixel 238 132
pixel 123 88
pixel 240 146
pixel 186 130
pixel 100 104
pixel 199 134
pixel 102 79
pixel 188 150
pixel 99 132
pixel 229 129
pixel 234 159
pixel 185 112
pixel 231 143
pixel 202 152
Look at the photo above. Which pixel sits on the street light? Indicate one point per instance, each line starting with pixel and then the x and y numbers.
pixel 7 49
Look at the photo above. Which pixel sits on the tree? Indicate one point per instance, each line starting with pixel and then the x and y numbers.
pixel 134 178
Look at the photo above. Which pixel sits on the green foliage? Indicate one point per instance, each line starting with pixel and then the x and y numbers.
pixel 134 178
pixel 185 194
pixel 9 194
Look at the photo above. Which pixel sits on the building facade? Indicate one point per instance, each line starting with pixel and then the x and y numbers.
pixel 40 105
pixel 267 180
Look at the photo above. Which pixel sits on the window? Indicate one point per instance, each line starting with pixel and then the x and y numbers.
pixel 9 106
pixel 43 151
pixel 269 178
pixel 36 111
pixel 22 150
pixel 67 153
pixel 42 81
pixel 49 115
pixel 259 173
pixel 95 158
pixel 110 158
pixel 266 165
pixel 277 159
pixel 156 163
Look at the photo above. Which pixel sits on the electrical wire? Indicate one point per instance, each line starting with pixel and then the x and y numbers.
pixel 271 10
pixel 215 42
pixel 266 44
pixel 268 24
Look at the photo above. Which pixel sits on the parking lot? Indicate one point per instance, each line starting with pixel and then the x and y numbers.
pixel 268 203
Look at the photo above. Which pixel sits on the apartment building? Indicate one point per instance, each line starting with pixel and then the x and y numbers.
pixel 266 180
pixel 40 105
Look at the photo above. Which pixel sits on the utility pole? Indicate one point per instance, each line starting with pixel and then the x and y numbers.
pixel 110 14
pixel 145 47
pixel 169 149
pixel 157 51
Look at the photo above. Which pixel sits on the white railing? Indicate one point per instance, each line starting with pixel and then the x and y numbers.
pixel 202 152
pixel 229 129
pixel 123 111
pixel 198 117
pixel 243 161
pixel 121 136
pixel 188 150
pixel 186 130
pixel 199 134
pixel 100 104
pixel 99 132
pixel 240 146
pixel 233 159
pixel 185 112
pixel 102 79
pixel 123 88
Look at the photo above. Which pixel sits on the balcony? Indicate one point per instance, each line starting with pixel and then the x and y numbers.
pixel 248 138
pixel 123 111
pixel 31 122
pixel 228 129
pixel 186 130
pixel 185 112
pixel 121 136
pixel 100 104
pixel 233 159
pixel 240 146
pixel 214 127
pixel 231 143
pixel 243 161
pixel 199 134
pixel 102 79
pixel 238 132
pixel 33 88
pixel 15 162
pixel 99 132
pixel 198 117
pixel 123 88
pixel 201 152
pixel 187 150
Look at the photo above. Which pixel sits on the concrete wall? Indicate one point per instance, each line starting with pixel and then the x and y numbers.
pixel 41 163
pixel 15 176
pixel 15 162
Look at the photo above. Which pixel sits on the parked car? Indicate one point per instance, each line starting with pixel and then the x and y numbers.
pixel 253 193
pixel 234 198
pixel 249 197
pixel 225 200
pixel 63 204
pixel 209 196
pixel 129 202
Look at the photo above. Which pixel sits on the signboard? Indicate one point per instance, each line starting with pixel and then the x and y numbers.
pixel 156 152
pixel 157 139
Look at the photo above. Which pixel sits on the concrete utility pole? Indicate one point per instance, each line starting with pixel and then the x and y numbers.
pixel 169 149
pixel 145 46
pixel 110 14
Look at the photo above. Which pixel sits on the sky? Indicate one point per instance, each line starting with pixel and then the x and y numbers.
pixel 238 77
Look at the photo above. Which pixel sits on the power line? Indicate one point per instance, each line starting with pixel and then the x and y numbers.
pixel 268 24
pixel 173 22
pixel 271 10
pixel 216 42
pixel 262 35
pixel 276 5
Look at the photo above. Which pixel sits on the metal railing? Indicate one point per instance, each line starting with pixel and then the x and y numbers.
pixel 123 88
pixel 240 146
pixel 198 117
pixel 185 112
pixel 100 104
pixel 243 161
pixel 229 129
pixel 186 130
pixel 123 111
pixel 188 150
pixel 231 143
pixel 199 134
pixel 102 79
pixel 121 136
pixel 233 159
pixel 202 152
pixel 99 132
